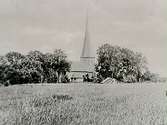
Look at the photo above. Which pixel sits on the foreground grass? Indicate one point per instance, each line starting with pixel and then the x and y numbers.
pixel 83 104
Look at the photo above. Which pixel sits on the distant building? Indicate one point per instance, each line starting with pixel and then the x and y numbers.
pixel 86 65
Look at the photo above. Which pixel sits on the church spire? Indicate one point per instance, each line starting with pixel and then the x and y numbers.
pixel 86 50
pixel 86 44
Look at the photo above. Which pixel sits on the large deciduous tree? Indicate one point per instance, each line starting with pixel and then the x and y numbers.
pixel 36 66
pixel 59 63
pixel 120 63
pixel 12 72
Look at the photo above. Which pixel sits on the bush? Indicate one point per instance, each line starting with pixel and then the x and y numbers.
pixel 65 79
pixel 129 79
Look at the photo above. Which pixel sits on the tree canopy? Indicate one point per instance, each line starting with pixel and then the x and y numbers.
pixel 120 63
pixel 35 67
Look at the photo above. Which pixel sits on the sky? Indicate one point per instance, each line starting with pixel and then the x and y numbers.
pixel 45 25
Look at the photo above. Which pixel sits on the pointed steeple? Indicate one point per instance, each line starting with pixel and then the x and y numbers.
pixel 86 44
pixel 86 50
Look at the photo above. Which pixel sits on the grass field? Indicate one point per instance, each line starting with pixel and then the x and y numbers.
pixel 84 104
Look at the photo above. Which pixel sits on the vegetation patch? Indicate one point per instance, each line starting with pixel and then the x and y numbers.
pixel 139 104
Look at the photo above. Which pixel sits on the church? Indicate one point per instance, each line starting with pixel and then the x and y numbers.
pixel 86 64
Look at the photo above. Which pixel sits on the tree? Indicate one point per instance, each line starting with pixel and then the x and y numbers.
pixel 55 65
pixel 59 63
pixel 120 63
pixel 49 68
pixel 36 64
pixel 3 66
pixel 12 71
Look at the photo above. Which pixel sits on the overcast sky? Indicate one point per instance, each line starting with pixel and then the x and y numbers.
pixel 45 25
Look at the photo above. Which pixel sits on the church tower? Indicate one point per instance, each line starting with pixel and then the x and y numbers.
pixel 86 50
pixel 87 62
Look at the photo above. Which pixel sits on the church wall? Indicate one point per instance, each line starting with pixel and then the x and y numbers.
pixel 79 75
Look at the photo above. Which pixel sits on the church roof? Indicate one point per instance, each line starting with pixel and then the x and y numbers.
pixel 82 67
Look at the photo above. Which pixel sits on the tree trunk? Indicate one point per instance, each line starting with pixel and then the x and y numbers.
pixel 58 77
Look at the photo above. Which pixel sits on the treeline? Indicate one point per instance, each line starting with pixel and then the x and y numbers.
pixel 115 62
pixel 122 64
pixel 35 67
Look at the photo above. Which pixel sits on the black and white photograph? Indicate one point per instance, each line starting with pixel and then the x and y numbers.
pixel 83 62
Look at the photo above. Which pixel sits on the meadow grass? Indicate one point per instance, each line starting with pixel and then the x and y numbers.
pixel 83 104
